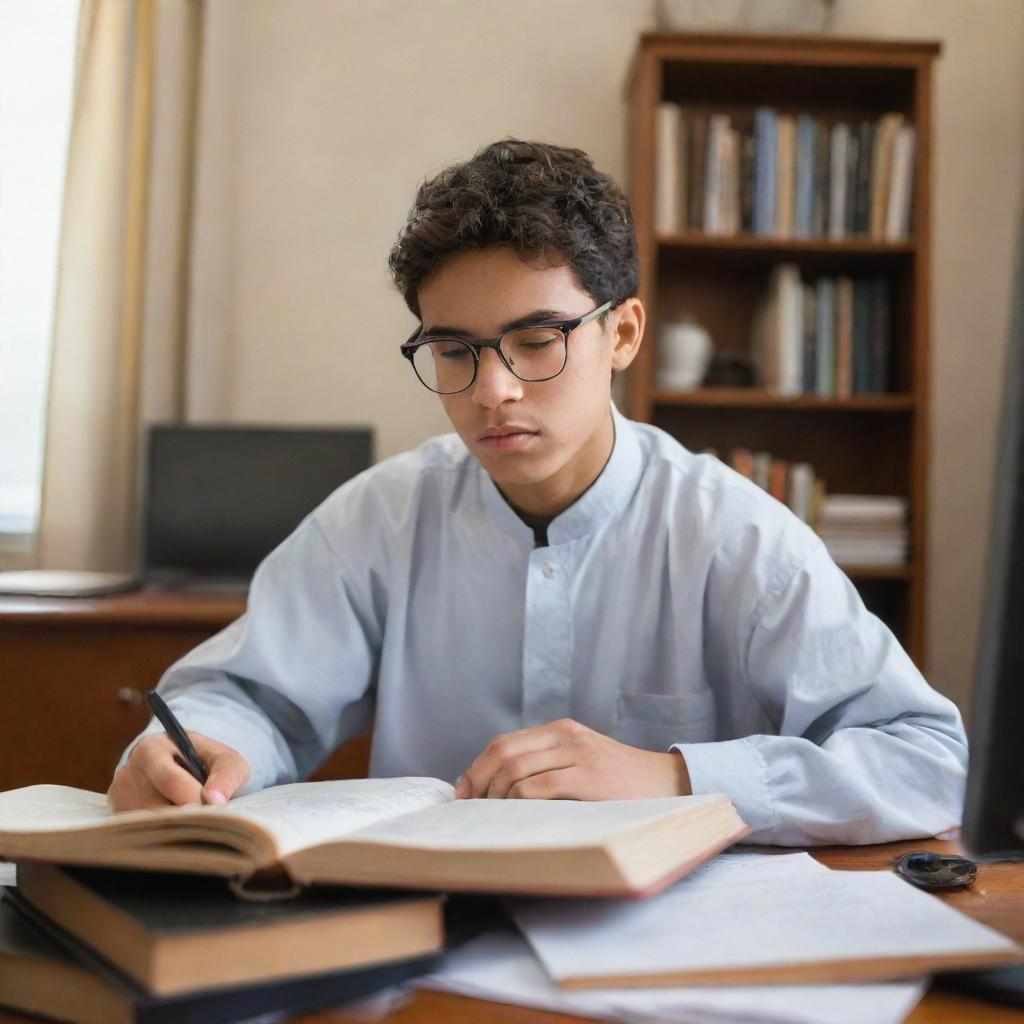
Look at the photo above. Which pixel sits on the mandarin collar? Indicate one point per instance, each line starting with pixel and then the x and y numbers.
pixel 599 503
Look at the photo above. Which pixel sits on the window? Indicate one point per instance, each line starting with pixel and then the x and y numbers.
pixel 37 54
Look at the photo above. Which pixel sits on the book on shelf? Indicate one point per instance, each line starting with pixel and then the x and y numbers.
pixel 829 338
pixel 783 175
pixel 175 933
pixel 408 833
pixel 45 972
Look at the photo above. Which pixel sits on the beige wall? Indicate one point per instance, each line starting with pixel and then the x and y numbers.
pixel 320 117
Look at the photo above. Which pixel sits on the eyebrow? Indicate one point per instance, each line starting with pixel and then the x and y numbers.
pixel 538 316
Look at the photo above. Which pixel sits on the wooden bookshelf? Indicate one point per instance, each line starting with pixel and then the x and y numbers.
pixel 865 444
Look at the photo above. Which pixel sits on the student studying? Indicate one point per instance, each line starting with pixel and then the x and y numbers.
pixel 555 602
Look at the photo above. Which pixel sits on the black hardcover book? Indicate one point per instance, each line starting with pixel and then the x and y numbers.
pixel 862 188
pixel 863 297
pixel 45 971
pixel 160 928
pixel 880 373
pixel 748 152
pixel 850 211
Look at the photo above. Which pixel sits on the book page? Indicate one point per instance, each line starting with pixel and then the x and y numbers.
pixel 525 824
pixel 752 913
pixel 52 809
pixel 310 813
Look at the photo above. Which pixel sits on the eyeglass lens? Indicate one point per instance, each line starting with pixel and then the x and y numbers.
pixel 446 365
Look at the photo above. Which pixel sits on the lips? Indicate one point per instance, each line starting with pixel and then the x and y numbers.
pixel 508 437
pixel 505 431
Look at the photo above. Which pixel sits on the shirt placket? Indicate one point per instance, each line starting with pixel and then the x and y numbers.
pixel 547 640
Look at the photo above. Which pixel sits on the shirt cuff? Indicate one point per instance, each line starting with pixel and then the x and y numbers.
pixel 737 769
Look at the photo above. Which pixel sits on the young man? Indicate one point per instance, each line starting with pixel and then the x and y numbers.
pixel 555 602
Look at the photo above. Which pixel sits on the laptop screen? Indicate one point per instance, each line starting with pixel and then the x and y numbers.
pixel 219 499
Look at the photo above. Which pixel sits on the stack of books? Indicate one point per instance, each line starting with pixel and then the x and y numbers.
pixel 865 530
pixel 783 175
pixel 299 896
pixel 828 337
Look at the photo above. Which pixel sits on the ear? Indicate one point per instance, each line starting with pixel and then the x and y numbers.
pixel 628 332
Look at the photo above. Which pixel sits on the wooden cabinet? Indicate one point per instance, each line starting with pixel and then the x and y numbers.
pixel 73 674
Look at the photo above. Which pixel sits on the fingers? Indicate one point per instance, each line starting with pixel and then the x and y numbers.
pixel 154 775
pixel 503 752
pixel 229 772
pixel 561 784
pixel 521 767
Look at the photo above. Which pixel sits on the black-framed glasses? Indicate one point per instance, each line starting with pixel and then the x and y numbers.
pixel 448 365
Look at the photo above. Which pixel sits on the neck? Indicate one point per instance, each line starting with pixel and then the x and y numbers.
pixel 549 497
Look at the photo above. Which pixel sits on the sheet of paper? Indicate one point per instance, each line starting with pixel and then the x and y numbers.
pixel 500 966
pixel 524 824
pixel 742 912
pixel 51 809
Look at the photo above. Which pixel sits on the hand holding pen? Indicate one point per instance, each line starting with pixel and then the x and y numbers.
pixel 173 767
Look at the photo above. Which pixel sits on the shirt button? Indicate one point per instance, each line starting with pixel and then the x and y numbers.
pixel 548 570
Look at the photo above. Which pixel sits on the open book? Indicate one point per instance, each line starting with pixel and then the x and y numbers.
pixel 407 832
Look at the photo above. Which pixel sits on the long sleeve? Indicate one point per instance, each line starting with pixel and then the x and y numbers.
pixel 292 678
pixel 865 750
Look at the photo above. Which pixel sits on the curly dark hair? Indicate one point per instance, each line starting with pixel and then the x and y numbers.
pixel 531 196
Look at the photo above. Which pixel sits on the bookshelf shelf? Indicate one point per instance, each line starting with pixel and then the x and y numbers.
pixel 719 270
pixel 757 398
pixel 871 572
pixel 745 243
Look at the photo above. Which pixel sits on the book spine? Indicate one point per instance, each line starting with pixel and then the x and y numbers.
pixel 695 175
pixel 682 168
pixel 819 215
pixel 766 141
pixel 786 176
pixel 806 128
pixel 788 332
pixel 879 374
pixel 881 172
pixel 731 183
pixel 825 361
pixel 743 462
pixel 666 178
pixel 837 180
pixel 748 162
pixel 898 213
pixel 778 478
pixel 810 341
pixel 762 469
pixel 718 124
pixel 801 487
pixel 844 337
pixel 862 188
pixel 850 207
pixel 863 290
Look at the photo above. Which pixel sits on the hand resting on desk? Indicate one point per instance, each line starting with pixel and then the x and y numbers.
pixel 151 778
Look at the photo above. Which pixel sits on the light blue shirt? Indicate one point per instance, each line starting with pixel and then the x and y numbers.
pixel 677 606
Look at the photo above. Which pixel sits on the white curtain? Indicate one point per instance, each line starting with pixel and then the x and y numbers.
pixel 122 299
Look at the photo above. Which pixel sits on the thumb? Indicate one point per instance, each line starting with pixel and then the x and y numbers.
pixel 229 771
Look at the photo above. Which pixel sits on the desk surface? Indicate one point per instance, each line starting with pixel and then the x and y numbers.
pixel 996 898
pixel 147 606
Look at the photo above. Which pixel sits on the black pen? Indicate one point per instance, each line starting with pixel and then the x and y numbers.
pixel 190 759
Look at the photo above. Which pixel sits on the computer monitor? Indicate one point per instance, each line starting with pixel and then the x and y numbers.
pixel 994 808
pixel 217 500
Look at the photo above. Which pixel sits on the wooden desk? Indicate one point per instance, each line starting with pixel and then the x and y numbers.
pixel 73 673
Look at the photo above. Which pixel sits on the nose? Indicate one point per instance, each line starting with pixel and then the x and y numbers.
pixel 495 383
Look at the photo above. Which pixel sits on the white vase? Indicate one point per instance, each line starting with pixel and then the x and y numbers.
pixel 684 354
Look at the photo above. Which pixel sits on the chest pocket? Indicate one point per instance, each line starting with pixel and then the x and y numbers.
pixel 654 721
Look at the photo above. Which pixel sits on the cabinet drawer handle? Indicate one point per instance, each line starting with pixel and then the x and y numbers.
pixel 128 697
